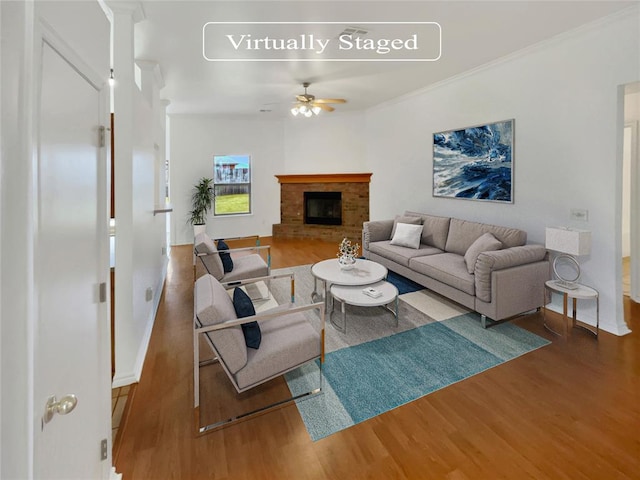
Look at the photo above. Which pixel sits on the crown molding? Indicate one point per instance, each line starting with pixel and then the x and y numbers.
pixel 537 47
pixel 135 9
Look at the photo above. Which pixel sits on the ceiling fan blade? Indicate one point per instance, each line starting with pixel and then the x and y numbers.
pixel 330 100
pixel 323 106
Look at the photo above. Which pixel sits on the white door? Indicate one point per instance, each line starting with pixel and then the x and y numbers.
pixel 70 262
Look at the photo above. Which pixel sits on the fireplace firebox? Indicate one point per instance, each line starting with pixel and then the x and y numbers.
pixel 323 208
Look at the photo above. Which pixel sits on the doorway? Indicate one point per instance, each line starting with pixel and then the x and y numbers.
pixel 630 194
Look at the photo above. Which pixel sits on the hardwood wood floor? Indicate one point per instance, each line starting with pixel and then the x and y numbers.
pixel 570 410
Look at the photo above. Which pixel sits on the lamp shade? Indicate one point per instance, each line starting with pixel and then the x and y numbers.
pixel 568 240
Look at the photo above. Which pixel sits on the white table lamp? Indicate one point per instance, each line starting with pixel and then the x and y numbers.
pixel 569 242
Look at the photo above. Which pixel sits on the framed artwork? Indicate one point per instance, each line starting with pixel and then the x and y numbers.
pixel 475 163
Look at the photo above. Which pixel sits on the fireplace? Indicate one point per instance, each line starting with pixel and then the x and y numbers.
pixel 342 197
pixel 323 208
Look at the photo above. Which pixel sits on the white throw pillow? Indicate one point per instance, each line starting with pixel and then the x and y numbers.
pixel 485 243
pixel 407 235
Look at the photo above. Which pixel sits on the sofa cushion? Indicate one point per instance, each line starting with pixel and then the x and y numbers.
pixel 448 268
pixel 286 340
pixel 244 308
pixel 375 231
pixel 411 220
pixel 247 266
pixel 484 243
pixel 463 233
pixel 225 257
pixel 213 306
pixel 210 257
pixel 435 229
pixel 407 235
pixel 401 255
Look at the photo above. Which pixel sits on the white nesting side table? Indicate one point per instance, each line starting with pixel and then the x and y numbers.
pixel 581 292
pixel 353 295
pixel 364 272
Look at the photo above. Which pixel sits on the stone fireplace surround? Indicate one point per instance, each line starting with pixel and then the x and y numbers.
pixel 355 205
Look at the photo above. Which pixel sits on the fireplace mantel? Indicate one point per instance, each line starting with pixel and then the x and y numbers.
pixel 354 189
pixel 325 178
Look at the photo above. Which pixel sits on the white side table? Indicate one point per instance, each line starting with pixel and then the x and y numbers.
pixel 353 295
pixel 582 292
pixel 364 272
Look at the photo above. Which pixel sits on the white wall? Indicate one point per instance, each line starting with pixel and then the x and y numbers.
pixel 148 268
pixel 563 96
pixel 140 261
pixel 194 141
pixel 329 143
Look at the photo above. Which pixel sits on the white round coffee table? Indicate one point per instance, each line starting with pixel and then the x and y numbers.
pixel 354 295
pixel 364 272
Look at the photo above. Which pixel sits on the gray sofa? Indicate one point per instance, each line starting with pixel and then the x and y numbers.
pixel 486 268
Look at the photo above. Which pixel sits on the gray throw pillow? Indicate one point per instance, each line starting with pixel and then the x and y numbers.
pixel 485 243
pixel 411 220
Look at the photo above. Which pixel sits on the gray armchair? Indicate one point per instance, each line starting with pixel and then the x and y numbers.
pixel 241 263
pixel 288 341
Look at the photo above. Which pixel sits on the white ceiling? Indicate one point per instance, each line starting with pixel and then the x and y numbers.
pixel 473 33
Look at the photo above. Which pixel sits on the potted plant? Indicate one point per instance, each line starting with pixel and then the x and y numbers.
pixel 201 202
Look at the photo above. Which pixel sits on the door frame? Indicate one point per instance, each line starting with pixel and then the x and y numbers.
pixel 17 242
pixel 634 211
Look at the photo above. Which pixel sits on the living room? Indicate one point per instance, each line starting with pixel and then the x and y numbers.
pixel 556 168
pixel 570 96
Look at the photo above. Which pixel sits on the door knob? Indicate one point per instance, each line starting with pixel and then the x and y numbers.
pixel 62 407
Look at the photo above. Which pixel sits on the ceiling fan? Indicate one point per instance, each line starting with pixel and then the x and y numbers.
pixel 308 105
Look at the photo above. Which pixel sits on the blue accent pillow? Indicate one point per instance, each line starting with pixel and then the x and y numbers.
pixel 244 308
pixel 227 261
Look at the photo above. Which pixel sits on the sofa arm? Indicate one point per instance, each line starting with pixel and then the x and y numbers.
pixel 489 262
pixel 376 231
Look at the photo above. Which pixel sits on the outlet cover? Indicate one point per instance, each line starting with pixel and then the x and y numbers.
pixel 149 294
pixel 580 214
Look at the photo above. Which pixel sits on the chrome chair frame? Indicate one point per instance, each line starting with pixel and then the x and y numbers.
pixel 266 316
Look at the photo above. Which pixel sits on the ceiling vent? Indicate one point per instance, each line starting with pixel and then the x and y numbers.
pixel 353 32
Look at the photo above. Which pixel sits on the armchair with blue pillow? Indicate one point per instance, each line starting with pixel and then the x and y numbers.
pixel 253 346
pixel 231 264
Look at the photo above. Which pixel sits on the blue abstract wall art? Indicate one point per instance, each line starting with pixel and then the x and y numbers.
pixel 474 163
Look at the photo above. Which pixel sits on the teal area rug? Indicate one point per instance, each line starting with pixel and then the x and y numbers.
pixel 377 367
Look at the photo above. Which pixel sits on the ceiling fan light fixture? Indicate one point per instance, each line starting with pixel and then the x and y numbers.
pixel 307 105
